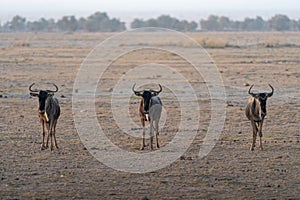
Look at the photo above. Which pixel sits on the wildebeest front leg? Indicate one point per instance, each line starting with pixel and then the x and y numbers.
pixel 48 133
pixel 151 134
pixel 53 133
pixel 260 134
pixel 43 135
pixel 254 127
pixel 157 134
pixel 51 137
pixel 143 142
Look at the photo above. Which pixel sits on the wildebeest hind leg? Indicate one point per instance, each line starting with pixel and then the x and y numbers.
pixel 53 133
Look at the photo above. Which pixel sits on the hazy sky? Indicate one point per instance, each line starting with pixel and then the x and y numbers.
pixel 130 9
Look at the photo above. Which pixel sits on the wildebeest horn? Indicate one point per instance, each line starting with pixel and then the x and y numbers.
pixel 249 91
pixel 55 87
pixel 31 89
pixel 135 91
pixel 271 93
pixel 160 89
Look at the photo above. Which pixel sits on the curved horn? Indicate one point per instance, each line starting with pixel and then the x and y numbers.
pixel 249 91
pixel 31 89
pixel 160 89
pixel 135 91
pixel 271 93
pixel 55 87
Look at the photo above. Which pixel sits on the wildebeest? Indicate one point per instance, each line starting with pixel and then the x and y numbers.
pixel 48 112
pixel 256 112
pixel 149 110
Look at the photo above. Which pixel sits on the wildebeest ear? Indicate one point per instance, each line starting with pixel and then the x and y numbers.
pixel 34 94
pixel 138 93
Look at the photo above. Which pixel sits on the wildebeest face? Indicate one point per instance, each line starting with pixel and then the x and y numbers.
pixel 146 98
pixel 146 95
pixel 262 98
pixel 42 95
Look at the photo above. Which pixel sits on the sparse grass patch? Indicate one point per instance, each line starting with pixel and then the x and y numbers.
pixel 210 42
pixel 276 44
pixel 22 43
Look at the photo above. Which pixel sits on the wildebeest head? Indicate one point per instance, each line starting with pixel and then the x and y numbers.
pixel 262 97
pixel 146 96
pixel 42 95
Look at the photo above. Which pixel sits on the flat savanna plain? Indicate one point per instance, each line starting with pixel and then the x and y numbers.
pixel 229 171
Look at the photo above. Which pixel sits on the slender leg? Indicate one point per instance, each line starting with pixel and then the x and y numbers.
pixel 53 133
pixel 48 130
pixel 143 142
pixel 260 134
pixel 151 135
pixel 254 127
pixel 157 134
pixel 43 135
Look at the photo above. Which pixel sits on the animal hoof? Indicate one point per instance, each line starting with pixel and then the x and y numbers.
pixel 261 148
pixel 142 148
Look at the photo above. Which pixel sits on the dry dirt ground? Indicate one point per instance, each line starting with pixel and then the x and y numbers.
pixel 229 171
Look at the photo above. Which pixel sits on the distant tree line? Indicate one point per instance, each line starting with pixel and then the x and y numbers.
pixel 100 22
pixel 165 21
pixel 97 22
pixel 276 23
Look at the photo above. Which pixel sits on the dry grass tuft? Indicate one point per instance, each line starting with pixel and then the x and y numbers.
pixel 210 42
pixel 22 43
pixel 276 43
